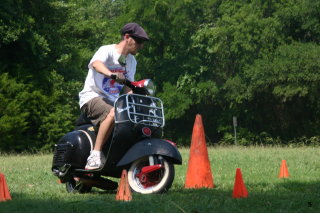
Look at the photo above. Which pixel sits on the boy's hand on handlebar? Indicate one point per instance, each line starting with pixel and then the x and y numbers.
pixel 118 77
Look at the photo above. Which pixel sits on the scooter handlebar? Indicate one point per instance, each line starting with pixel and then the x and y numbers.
pixel 127 82
pixel 137 87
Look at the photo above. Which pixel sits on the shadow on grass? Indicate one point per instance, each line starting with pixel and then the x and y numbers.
pixel 286 196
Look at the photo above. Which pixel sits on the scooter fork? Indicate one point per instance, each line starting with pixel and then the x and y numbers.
pixel 155 160
pixel 151 160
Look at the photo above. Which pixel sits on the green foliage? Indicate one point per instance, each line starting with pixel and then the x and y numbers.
pixel 60 109
pixel 170 96
pixel 257 60
pixel 291 71
pixel 31 120
pixel 13 116
pixel 46 48
pixel 240 40
pixel 289 79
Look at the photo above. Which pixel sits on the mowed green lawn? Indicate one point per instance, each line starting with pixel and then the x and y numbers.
pixel 34 189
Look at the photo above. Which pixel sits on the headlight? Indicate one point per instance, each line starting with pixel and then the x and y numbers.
pixel 150 87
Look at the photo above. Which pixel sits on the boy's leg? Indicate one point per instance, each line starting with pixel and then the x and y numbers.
pixel 101 114
pixel 104 131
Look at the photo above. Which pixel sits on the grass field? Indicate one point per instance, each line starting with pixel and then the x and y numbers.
pixel 34 189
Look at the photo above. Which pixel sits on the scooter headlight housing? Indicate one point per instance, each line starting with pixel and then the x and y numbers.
pixel 150 87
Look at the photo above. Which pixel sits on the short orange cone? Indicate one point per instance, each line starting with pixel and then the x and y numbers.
pixel 199 171
pixel 284 173
pixel 124 191
pixel 239 189
pixel 4 190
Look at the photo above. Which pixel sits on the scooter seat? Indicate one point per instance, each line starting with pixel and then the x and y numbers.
pixel 82 120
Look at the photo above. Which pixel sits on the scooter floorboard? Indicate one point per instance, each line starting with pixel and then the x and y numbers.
pixel 88 171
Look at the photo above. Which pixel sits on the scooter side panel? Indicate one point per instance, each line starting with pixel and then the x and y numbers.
pixel 74 148
pixel 153 146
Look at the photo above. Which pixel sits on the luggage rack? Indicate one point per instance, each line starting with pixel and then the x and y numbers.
pixel 141 110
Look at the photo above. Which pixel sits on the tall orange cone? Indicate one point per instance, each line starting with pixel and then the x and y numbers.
pixel 199 173
pixel 239 189
pixel 124 191
pixel 4 191
pixel 284 173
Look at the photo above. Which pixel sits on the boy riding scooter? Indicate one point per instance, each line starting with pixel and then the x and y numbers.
pixel 100 90
pixel 123 132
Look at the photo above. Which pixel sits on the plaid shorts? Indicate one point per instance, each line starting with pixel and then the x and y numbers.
pixel 97 109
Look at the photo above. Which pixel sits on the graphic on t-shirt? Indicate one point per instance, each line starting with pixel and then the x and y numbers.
pixel 110 86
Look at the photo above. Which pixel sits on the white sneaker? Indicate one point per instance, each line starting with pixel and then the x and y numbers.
pixel 95 161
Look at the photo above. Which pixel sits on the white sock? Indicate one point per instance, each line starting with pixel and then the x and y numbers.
pixel 95 152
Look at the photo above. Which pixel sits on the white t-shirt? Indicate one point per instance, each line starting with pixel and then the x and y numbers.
pixel 97 84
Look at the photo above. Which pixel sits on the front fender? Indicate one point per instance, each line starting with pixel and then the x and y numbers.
pixel 153 146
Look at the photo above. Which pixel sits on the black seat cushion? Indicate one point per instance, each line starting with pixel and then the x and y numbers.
pixel 82 120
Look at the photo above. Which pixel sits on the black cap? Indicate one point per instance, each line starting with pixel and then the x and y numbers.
pixel 134 30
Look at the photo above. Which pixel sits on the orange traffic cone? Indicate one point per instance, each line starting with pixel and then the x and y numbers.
pixel 284 173
pixel 4 191
pixel 239 189
pixel 124 191
pixel 199 171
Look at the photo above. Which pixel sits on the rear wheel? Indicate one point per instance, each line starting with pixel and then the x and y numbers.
pixel 155 182
pixel 73 186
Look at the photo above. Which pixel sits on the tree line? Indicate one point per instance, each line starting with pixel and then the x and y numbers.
pixel 253 59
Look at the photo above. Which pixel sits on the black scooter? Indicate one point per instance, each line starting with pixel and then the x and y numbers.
pixel 135 145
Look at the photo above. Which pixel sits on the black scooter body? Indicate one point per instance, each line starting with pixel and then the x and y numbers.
pixel 127 143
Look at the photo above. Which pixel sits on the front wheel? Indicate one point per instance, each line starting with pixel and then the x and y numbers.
pixel 156 182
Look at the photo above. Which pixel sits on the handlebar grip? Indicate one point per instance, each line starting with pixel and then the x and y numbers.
pixel 114 77
pixel 127 82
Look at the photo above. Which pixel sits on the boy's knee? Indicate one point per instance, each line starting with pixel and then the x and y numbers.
pixel 111 113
